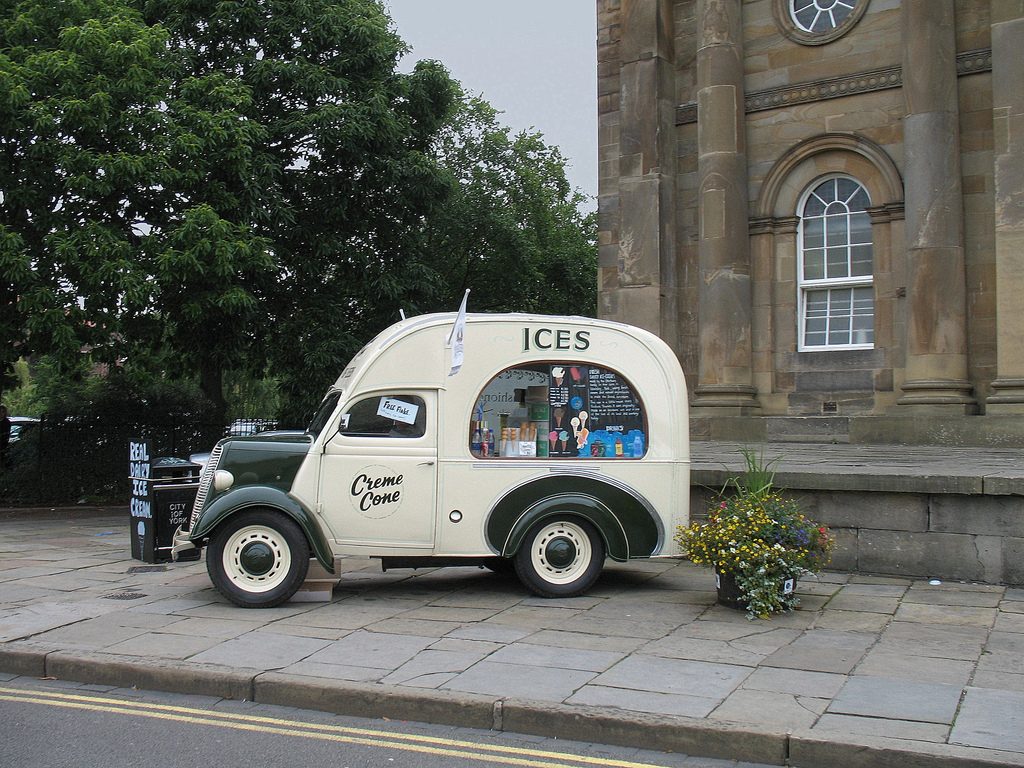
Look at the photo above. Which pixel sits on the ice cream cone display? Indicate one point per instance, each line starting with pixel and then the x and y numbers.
pixel 582 433
pixel 559 415
pixel 560 410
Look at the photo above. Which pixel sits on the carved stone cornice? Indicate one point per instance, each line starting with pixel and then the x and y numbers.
pixel 831 88
pixel 967 63
pixel 883 214
pixel 686 114
pixel 773 225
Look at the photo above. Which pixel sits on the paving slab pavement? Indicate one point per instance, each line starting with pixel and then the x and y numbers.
pixel 872 671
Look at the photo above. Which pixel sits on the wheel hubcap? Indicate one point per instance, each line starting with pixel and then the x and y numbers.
pixel 257 558
pixel 561 552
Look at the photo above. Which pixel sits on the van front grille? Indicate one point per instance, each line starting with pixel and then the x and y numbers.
pixel 204 484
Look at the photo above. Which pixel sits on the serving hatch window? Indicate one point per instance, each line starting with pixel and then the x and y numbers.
pixel 563 410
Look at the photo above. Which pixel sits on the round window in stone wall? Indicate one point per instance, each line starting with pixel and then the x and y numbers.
pixel 815 22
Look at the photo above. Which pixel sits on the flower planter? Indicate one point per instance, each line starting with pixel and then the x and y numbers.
pixel 754 529
pixel 729 593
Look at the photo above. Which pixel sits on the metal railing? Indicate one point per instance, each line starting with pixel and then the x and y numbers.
pixel 84 460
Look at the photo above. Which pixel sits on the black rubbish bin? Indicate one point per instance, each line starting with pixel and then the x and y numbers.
pixel 161 504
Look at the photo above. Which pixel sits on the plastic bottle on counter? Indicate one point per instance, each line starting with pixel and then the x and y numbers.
pixel 541 441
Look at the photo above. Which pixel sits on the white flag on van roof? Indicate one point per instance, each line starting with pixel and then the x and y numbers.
pixel 455 341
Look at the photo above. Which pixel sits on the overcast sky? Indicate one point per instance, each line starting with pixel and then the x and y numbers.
pixel 534 60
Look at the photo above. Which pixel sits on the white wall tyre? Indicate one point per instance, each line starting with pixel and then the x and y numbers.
pixel 258 558
pixel 560 557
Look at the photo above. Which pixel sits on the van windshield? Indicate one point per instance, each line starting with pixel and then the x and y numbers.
pixel 323 413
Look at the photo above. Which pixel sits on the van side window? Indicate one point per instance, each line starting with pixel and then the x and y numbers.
pixel 558 409
pixel 400 416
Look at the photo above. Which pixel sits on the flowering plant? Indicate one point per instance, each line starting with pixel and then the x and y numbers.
pixel 759 537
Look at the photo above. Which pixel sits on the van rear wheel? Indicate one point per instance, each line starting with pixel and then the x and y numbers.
pixel 258 558
pixel 560 557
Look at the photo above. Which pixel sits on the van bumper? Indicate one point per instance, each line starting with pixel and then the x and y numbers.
pixel 183 548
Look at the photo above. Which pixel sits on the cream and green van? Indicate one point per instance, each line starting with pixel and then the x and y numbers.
pixel 559 442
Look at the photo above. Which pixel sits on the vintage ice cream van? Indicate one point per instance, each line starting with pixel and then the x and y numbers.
pixel 558 442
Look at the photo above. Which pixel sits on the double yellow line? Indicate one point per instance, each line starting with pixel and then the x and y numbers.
pixel 407 742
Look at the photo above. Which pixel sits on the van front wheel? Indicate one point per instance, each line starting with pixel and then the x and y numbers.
pixel 258 559
pixel 560 557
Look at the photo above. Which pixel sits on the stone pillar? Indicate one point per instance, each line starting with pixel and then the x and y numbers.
pixel 784 309
pixel 936 366
pixel 643 291
pixel 725 375
pixel 762 272
pixel 1008 121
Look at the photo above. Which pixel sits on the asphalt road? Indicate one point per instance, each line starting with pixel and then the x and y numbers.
pixel 55 724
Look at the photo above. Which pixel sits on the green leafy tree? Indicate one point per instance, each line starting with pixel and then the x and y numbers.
pixel 246 186
pixel 304 175
pixel 23 399
pixel 509 227
pixel 513 231
pixel 80 88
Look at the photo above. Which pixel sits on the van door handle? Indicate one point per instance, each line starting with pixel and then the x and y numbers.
pixel 426 464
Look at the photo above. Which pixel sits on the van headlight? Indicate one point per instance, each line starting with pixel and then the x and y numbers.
pixel 222 480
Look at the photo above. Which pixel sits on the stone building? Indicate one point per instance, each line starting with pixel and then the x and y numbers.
pixel 820 205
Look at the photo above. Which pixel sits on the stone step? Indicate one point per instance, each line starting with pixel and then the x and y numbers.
pixel 924 429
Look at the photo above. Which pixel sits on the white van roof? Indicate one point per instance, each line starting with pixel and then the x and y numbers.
pixel 415 354
pixel 418 351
